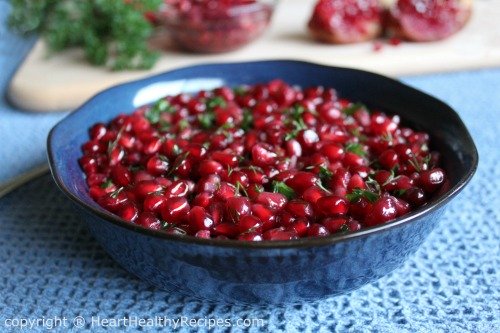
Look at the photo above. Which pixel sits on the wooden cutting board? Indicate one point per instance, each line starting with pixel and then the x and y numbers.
pixel 64 81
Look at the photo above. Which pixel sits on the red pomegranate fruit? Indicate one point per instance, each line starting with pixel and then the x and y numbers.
pixel 346 21
pixel 428 20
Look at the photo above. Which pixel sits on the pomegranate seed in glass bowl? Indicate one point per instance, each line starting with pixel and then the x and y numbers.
pixel 215 26
pixel 262 182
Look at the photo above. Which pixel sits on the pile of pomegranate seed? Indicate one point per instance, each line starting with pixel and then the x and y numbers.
pixel 264 162
pixel 213 26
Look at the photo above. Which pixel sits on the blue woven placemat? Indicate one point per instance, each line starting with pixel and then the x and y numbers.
pixel 51 269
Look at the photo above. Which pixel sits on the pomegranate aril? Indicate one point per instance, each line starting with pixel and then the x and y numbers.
pixel 203 234
pixel 149 220
pixel 199 219
pixel 121 175
pixel 113 201
pixel 301 181
pixel 279 234
pixel 208 167
pixel 157 165
pixel 333 151
pixel 153 202
pixel 276 160
pixel 383 210
pixel 129 212
pixel 431 180
pixel 313 193
pixel 203 199
pixel 317 230
pixel 226 229
pixel 237 207
pixel 225 159
pixel 299 208
pixel 249 223
pixel 250 237
pixel 146 187
pixel 331 205
pixel 97 131
pixel 178 188
pixel 335 224
pixel 388 159
pixel 272 200
pixel 175 210
pixel 300 227
pixel 402 207
pixel 415 196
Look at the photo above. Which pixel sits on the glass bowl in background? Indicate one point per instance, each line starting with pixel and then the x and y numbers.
pixel 216 26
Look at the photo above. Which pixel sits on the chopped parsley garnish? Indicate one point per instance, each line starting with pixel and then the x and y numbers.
pixel 296 112
pixel 216 101
pixel 373 184
pixel 344 228
pixel 206 119
pixel 325 174
pixel 357 194
pixel 355 148
pixel 259 188
pixel 400 192
pixel 153 115
pixel 240 90
pixel 281 187
pixel 240 189
pixel 391 178
pixel 107 183
pixel 183 124
pixel 298 125
pixel 351 109
pixel 247 121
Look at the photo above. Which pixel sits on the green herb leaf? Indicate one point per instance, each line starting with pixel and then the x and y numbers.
pixel 216 101
pixel 178 162
pixel 391 178
pixel 259 188
pixel 296 111
pixel 281 187
pixel 357 194
pixel 355 148
pixel 206 119
pixel 111 33
pixel 400 192
pixel 241 189
pixel 247 121
pixel 115 193
pixel 183 124
pixel 344 228
pixel 351 109
pixel 163 126
pixel 153 114
pixel 325 174
pixel 107 183
pixel 240 90
pixel 373 185
pixel 298 125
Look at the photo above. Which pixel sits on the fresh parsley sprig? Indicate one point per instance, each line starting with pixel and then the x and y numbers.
pixel 112 33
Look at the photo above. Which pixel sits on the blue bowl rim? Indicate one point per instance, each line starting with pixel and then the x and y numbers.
pixel 437 203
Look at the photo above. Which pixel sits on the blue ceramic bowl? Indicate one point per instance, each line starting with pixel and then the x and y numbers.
pixel 264 272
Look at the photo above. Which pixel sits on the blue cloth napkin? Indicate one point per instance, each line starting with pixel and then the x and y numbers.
pixel 22 134
pixel 53 273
